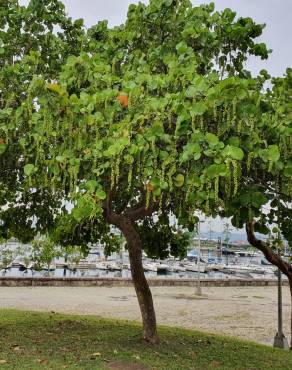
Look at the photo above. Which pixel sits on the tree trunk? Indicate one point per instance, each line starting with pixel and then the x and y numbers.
pixel 290 286
pixel 140 283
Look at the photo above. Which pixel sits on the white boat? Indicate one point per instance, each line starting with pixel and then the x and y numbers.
pixel 178 267
pixel 83 264
pixel 193 267
pixel 114 266
pixel 245 268
pixel 23 265
pixel 150 266
pixel 214 267
pixel 162 267
pixel 259 276
pixel 126 266
pixel 248 254
pixel 101 265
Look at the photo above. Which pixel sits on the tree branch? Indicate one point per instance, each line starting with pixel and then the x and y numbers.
pixel 264 247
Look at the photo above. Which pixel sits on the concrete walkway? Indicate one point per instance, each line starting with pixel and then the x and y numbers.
pixel 245 312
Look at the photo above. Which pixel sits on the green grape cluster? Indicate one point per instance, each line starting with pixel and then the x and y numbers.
pixel 234 109
pixel 239 126
pixel 112 176
pixel 215 111
pixel 193 123
pixel 130 177
pixel 148 195
pixel 235 177
pixel 117 169
pixel 216 188
pixel 249 161
pixel 202 122
pixel 228 179
pixel 160 203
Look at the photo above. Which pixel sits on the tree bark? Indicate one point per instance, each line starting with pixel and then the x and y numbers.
pixel 140 283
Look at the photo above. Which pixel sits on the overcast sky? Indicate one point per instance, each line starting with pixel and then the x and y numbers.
pixel 276 14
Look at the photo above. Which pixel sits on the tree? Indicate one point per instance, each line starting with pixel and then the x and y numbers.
pixel 152 119
pixel 43 253
pixel 7 256
pixel 29 46
pixel 264 196
pixel 160 240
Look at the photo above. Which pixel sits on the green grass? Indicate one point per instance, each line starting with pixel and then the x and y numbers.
pixel 31 341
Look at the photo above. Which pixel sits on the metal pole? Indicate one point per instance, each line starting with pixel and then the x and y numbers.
pixel 280 312
pixel 280 340
pixel 199 290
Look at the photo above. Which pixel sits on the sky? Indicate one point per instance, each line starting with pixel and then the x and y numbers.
pixel 276 14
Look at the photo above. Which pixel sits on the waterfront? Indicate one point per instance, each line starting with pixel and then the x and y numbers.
pixel 213 265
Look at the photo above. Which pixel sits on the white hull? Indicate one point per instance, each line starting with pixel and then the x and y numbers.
pixel 178 268
pixel 150 267
pixel 115 266
pixel 241 268
pixel 194 267
pixel 161 267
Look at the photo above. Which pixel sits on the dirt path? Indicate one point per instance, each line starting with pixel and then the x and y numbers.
pixel 245 312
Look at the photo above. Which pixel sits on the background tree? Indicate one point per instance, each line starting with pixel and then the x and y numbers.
pixel 155 117
pixel 161 240
pixel 34 40
pixel 43 253
pixel 265 192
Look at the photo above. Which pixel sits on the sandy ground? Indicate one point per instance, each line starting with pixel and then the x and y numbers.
pixel 245 312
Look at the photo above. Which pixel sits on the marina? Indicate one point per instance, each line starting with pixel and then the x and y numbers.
pixel 215 263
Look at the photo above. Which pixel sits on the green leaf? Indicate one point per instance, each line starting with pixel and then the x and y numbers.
pixel 182 47
pixel 179 180
pixel 3 148
pixel 100 194
pixel 199 109
pixel 216 170
pixel 288 171
pixel 157 192
pixel 211 139
pixel 191 91
pixel 272 153
pixel 91 185
pixel 29 169
pixel 233 152
pixel 253 198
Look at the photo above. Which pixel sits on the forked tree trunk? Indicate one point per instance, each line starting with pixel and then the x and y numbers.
pixel 140 283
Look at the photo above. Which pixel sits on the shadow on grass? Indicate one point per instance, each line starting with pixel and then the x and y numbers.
pixel 30 340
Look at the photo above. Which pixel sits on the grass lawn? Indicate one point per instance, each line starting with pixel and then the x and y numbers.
pixel 30 340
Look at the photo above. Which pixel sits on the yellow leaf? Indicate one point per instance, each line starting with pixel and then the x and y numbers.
pixel 2 362
pixel 96 354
